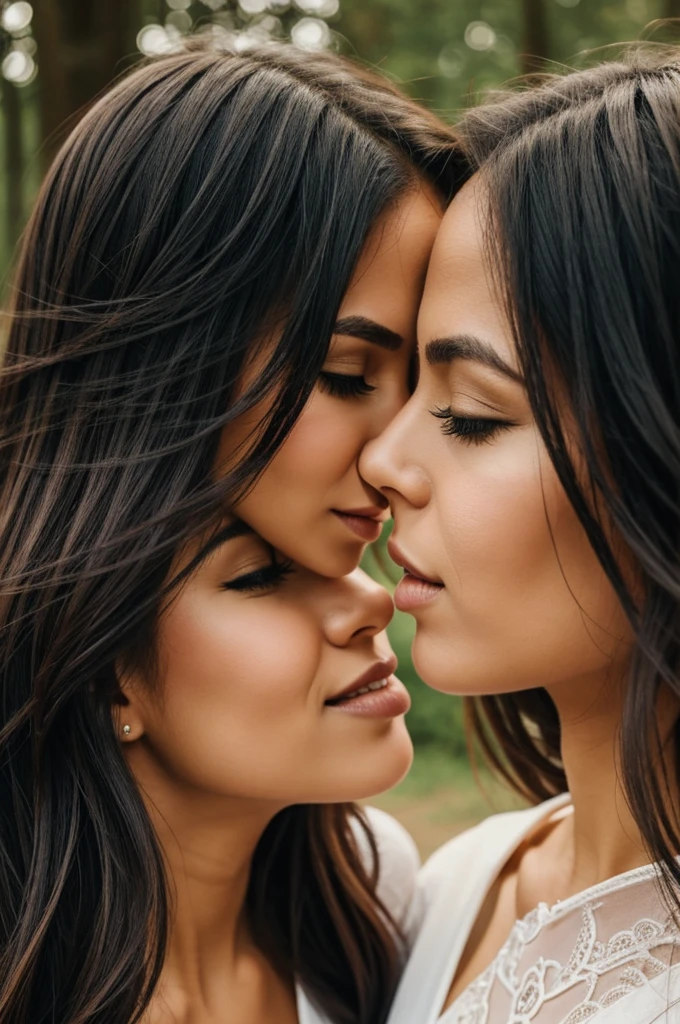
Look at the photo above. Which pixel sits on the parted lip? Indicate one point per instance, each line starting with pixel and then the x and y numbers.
pixel 381 670
pixel 397 556
pixel 368 512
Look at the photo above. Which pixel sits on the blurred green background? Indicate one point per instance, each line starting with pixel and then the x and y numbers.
pixel 57 55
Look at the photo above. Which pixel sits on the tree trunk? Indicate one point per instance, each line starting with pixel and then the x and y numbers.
pixel 536 41
pixel 14 166
pixel 81 48
pixel 672 9
pixel 53 98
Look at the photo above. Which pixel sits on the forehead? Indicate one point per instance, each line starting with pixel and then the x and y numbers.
pixel 460 234
pixel 459 296
pixel 388 279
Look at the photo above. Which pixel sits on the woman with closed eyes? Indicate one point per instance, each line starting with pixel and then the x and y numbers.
pixel 534 478
pixel 213 311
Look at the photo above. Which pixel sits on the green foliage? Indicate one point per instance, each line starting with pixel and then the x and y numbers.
pixel 435 719
pixel 423 44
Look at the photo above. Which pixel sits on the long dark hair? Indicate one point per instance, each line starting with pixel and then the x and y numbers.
pixel 208 201
pixel 583 178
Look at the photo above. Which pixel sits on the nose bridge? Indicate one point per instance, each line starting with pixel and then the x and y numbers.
pixel 361 608
pixel 396 399
pixel 386 458
pixel 399 428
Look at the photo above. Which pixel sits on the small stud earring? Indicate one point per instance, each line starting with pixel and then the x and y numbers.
pixel 126 730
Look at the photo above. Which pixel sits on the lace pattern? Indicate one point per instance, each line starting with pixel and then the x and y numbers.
pixel 565 964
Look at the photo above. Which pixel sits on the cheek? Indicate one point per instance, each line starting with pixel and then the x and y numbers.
pixel 493 516
pixel 237 698
pixel 320 450
pixel 314 472
pixel 527 603
pixel 299 484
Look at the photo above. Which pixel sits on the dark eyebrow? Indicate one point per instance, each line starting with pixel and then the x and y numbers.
pixel 237 528
pixel 466 346
pixel 369 330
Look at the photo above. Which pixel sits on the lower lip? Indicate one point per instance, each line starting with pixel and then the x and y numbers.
pixel 390 702
pixel 368 529
pixel 413 592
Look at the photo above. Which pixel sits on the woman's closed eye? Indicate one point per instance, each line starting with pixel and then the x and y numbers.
pixel 263 578
pixel 344 385
pixel 470 429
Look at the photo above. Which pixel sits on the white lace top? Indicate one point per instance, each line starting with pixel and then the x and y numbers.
pixel 609 955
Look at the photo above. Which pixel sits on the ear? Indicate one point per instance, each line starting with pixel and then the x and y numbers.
pixel 128 706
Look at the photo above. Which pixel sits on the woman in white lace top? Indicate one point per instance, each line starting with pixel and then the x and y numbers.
pixel 534 478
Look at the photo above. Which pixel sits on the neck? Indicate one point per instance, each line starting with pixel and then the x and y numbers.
pixel 601 839
pixel 208 845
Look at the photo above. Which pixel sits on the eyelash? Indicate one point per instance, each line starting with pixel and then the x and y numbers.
pixel 266 578
pixel 344 385
pixel 470 429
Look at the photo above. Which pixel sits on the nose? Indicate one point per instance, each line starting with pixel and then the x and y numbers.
pixel 359 608
pixel 391 462
pixel 395 400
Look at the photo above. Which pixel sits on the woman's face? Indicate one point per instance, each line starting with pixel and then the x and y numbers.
pixel 505 589
pixel 311 501
pixel 257 661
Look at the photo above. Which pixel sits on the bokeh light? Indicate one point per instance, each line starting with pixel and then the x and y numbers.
pixel 271 26
pixel 181 20
pixel 156 39
pixel 479 36
pixel 179 5
pixel 253 6
pixel 27 44
pixel 17 17
pixel 311 34
pixel 246 41
pixel 319 8
pixel 450 61
pixel 19 67
pixel 221 38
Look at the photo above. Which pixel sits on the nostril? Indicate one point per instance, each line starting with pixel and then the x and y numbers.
pixel 366 631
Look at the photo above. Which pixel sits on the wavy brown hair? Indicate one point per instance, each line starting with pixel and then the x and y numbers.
pixel 206 198
pixel 583 177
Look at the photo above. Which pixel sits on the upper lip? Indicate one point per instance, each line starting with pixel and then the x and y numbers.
pixel 396 556
pixel 381 670
pixel 368 512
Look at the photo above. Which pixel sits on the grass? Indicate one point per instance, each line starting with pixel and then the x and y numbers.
pixel 441 797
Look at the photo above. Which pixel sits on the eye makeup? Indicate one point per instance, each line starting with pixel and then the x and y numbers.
pixel 265 577
pixel 470 429
pixel 344 385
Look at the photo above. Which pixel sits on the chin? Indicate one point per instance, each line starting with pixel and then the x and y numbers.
pixel 435 666
pixel 374 773
pixel 468 676
pixel 390 766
